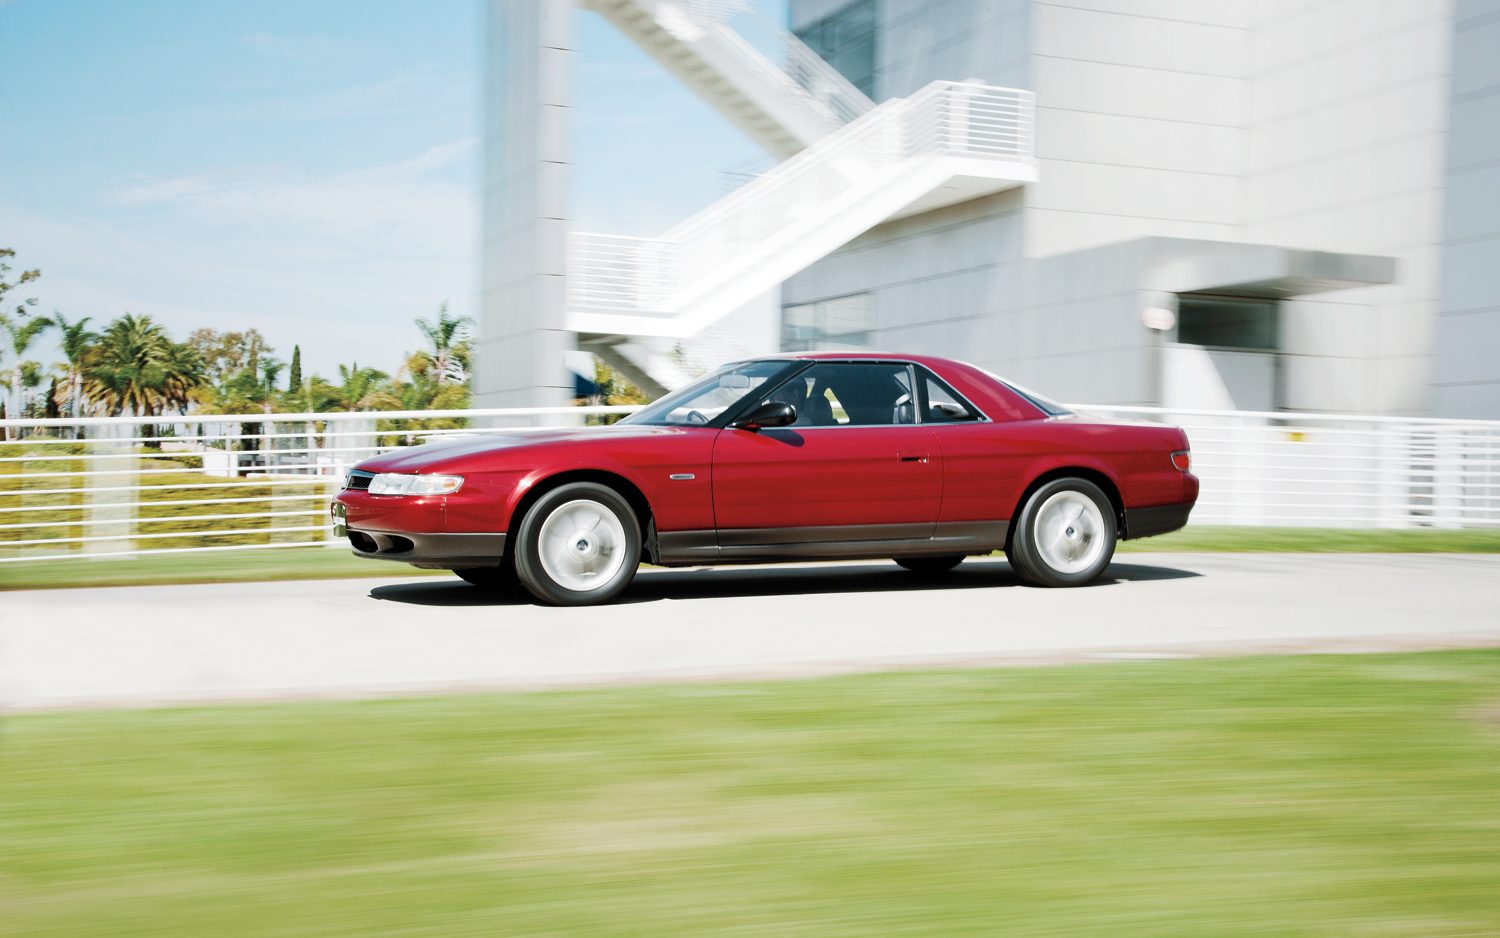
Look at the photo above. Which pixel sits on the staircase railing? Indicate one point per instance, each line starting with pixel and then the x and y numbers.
pixel 654 276
pixel 763 46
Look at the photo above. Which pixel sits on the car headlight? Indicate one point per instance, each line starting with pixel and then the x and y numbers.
pixel 403 483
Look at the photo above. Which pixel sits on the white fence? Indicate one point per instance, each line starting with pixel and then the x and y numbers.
pixel 1337 470
pixel 127 485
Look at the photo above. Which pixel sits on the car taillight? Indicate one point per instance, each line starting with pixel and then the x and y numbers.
pixel 1183 460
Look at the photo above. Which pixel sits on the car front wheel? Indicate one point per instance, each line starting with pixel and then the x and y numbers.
pixel 1065 534
pixel 579 544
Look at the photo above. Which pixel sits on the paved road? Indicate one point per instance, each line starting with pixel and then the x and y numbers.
pixel 144 645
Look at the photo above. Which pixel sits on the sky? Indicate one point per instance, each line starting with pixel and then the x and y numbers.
pixel 307 169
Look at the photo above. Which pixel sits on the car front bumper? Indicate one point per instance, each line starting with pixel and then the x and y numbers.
pixel 438 551
pixel 443 550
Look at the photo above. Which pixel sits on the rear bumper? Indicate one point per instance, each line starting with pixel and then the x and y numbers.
pixel 1158 519
pixel 441 551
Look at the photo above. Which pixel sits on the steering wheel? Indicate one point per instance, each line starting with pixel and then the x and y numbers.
pixel 695 417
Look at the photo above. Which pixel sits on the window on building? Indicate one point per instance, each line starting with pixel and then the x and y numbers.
pixel 839 324
pixel 846 40
pixel 1227 322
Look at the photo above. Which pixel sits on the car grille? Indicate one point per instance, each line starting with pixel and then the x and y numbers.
pixel 358 479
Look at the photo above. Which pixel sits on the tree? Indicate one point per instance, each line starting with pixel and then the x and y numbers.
pixel 448 359
pixel 294 379
pixel 19 334
pixel 75 340
pixel 136 367
pixel 270 370
pixel 226 354
pixel 364 389
pixel 7 286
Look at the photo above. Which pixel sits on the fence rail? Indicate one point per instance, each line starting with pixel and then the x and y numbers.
pixel 115 486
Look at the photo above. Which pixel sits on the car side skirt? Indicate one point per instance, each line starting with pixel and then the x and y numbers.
pixel 838 542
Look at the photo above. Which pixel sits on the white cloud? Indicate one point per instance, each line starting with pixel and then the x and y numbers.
pixel 411 205
pixel 339 262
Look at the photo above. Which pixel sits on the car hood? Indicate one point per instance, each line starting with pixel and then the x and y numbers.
pixel 446 453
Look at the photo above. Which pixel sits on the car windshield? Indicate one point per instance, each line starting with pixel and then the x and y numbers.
pixel 701 402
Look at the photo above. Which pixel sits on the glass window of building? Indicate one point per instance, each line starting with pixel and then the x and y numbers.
pixel 846 40
pixel 838 324
pixel 1229 322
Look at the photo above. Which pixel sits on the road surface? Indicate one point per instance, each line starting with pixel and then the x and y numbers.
pixel 145 645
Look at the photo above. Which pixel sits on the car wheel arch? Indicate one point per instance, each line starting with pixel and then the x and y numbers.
pixel 624 486
pixel 1094 475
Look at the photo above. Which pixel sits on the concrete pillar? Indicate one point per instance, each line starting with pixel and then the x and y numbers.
pixel 521 342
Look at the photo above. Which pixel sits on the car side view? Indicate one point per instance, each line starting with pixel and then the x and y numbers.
pixel 821 456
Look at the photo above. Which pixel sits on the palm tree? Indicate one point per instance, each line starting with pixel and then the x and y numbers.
pixel 123 370
pixel 75 339
pixel 19 336
pixel 136 367
pixel 361 389
pixel 182 374
pixel 449 335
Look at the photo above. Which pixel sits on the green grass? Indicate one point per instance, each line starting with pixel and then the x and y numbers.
pixel 1324 540
pixel 1297 796
pixel 229 566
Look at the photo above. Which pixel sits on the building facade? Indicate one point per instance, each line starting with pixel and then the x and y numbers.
pixel 1242 204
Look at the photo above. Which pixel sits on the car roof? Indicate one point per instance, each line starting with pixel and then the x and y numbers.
pixel 928 360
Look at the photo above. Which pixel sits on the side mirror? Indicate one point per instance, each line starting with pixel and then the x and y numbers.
pixel 769 414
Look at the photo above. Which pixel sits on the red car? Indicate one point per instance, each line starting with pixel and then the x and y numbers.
pixel 824 456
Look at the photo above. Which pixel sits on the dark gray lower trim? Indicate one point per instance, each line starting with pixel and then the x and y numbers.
pixel 443 551
pixel 686 547
pixel 833 542
pixel 1158 519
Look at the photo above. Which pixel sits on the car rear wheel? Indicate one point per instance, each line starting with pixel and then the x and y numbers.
pixel 930 564
pixel 1065 534
pixel 579 544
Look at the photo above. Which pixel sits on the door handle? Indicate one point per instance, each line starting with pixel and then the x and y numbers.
pixel 911 457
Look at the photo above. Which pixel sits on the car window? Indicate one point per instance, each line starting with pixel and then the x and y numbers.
pixel 701 402
pixel 941 404
pixel 834 394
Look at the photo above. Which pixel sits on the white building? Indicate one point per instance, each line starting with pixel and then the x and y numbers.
pixel 1257 204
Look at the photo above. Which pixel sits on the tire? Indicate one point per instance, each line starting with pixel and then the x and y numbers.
pixel 930 565
pixel 1065 534
pixel 490 578
pixel 580 544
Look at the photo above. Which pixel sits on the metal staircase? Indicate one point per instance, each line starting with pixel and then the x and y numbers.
pixel 785 98
pixel 646 305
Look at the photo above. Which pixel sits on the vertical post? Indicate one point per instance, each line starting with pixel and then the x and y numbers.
pixel 1393 470
pixel 1447 479
pixel 285 495
pixel 109 499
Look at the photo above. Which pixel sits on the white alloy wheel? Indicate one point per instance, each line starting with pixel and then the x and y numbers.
pixel 582 545
pixel 1069 532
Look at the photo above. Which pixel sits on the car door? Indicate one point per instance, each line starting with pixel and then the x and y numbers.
pixel 855 466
